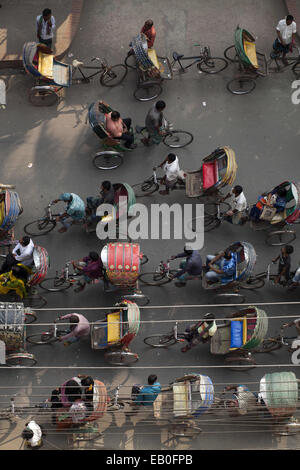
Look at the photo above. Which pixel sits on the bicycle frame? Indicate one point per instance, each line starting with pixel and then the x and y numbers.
pixel 204 54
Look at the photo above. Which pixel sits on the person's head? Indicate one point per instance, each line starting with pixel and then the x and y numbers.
pixel 115 115
pixel 152 379
pixel 288 249
pixel 66 197
pixel 148 24
pixel 289 19
pixel 74 320
pixel 47 14
pixel 105 186
pixel 237 190
pixel 72 391
pixel 188 250
pixel 281 192
pixel 209 318
pixel 94 256
pixel 227 254
pixel 160 105
pixel 171 157
pixel 25 240
pixel 27 433
pixel 18 271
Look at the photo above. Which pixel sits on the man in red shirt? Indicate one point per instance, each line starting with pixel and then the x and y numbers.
pixel 119 128
pixel 149 31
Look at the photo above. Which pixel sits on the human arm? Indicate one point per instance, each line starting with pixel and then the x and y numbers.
pixel 51 23
pixel 213 261
pixel 278 31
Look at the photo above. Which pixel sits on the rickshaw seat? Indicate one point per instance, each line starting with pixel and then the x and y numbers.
pixel 210 174
pixel 153 57
pixel 250 50
pixel 113 327
pixel 181 398
pixel 45 64
pixel 238 333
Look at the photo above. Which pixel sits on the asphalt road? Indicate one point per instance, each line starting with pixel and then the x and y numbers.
pixel 46 151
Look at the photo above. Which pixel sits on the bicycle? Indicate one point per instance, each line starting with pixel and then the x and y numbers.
pixel 276 342
pixel 165 340
pixel 162 275
pixel 171 138
pixel 48 337
pixel 109 76
pixel 151 185
pixel 205 62
pixel 214 214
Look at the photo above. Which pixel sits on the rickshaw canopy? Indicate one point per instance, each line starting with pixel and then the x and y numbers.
pixel 279 390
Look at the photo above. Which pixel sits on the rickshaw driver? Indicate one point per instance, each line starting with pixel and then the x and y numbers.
pixel 106 196
pixel 192 267
pixel 237 214
pixel 75 210
pixel 154 123
pixel 118 128
pixel 225 271
pixel 172 172
pixel 149 31
pixel 79 328
pixel 91 267
pixel 286 31
pixel 200 332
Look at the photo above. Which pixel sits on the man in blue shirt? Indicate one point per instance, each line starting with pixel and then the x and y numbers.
pixel 192 267
pixel 75 210
pixel 221 267
pixel 148 394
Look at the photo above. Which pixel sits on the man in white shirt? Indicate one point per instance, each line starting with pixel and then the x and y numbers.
pixel 236 215
pixel 22 253
pixel 45 24
pixel 286 32
pixel 172 172
pixel 32 434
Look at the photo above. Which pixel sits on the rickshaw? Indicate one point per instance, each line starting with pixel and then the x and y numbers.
pixel 121 261
pixel 250 63
pixel 270 217
pixel 182 404
pixel 50 74
pixel 236 338
pixel 13 319
pixel 278 391
pixel 10 209
pixel 151 69
pixel 36 274
pixel 217 171
pixel 112 334
pixel 246 259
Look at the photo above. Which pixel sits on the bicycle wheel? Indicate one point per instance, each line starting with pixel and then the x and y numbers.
pixel 34 301
pixel 114 75
pixel 40 338
pixel 159 341
pixel 108 160
pixel 147 91
pixel 121 358
pixel 29 317
pixel 38 97
pixel 268 345
pixel 154 279
pixel 55 284
pixel 178 139
pixel 240 363
pixel 20 360
pixel 230 54
pixel 130 61
pixel 39 227
pixel 280 237
pixel 144 259
pixel 252 283
pixel 296 69
pixel 212 65
pixel 210 223
pixel 230 298
pixel 140 299
pixel 211 208
pixel 145 189
pixel 241 86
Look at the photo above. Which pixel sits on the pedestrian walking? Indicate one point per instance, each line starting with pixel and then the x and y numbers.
pixel 45 24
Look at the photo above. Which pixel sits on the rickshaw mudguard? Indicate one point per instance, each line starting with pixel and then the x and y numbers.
pixel 279 391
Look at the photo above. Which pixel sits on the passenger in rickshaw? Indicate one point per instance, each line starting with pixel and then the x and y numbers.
pixel 275 199
pixel 295 280
pixel 32 434
pixel 106 196
pixel 22 253
pixel 200 332
pixel 191 267
pixel 75 210
pixel 15 280
pixel 146 395
pixel 91 267
pixel 221 267
pixel 173 174
pixel 237 213
pixel 118 128
pixel 79 328
pixel 149 31
pixel 154 123
pixel 240 399
pixel 284 265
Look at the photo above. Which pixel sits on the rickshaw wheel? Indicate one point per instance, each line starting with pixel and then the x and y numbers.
pixel 20 360
pixel 39 97
pixel 240 363
pixel 29 317
pixel 121 358
pixel 130 62
pixel 155 279
pixel 114 75
pixel 144 259
pixel 210 223
pixel 178 139
pixel 296 69
pixel 145 189
pixel 284 237
pixel 268 345
pixel 241 85
pixel 232 297
pixel 230 54
pixel 184 429
pixel 55 284
pixel 34 301
pixel 211 208
pixel 88 433
pixel 147 91
pixel 252 283
pixel 39 227
pixel 140 299
pixel 160 341
pixel 108 160
pixel 212 65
